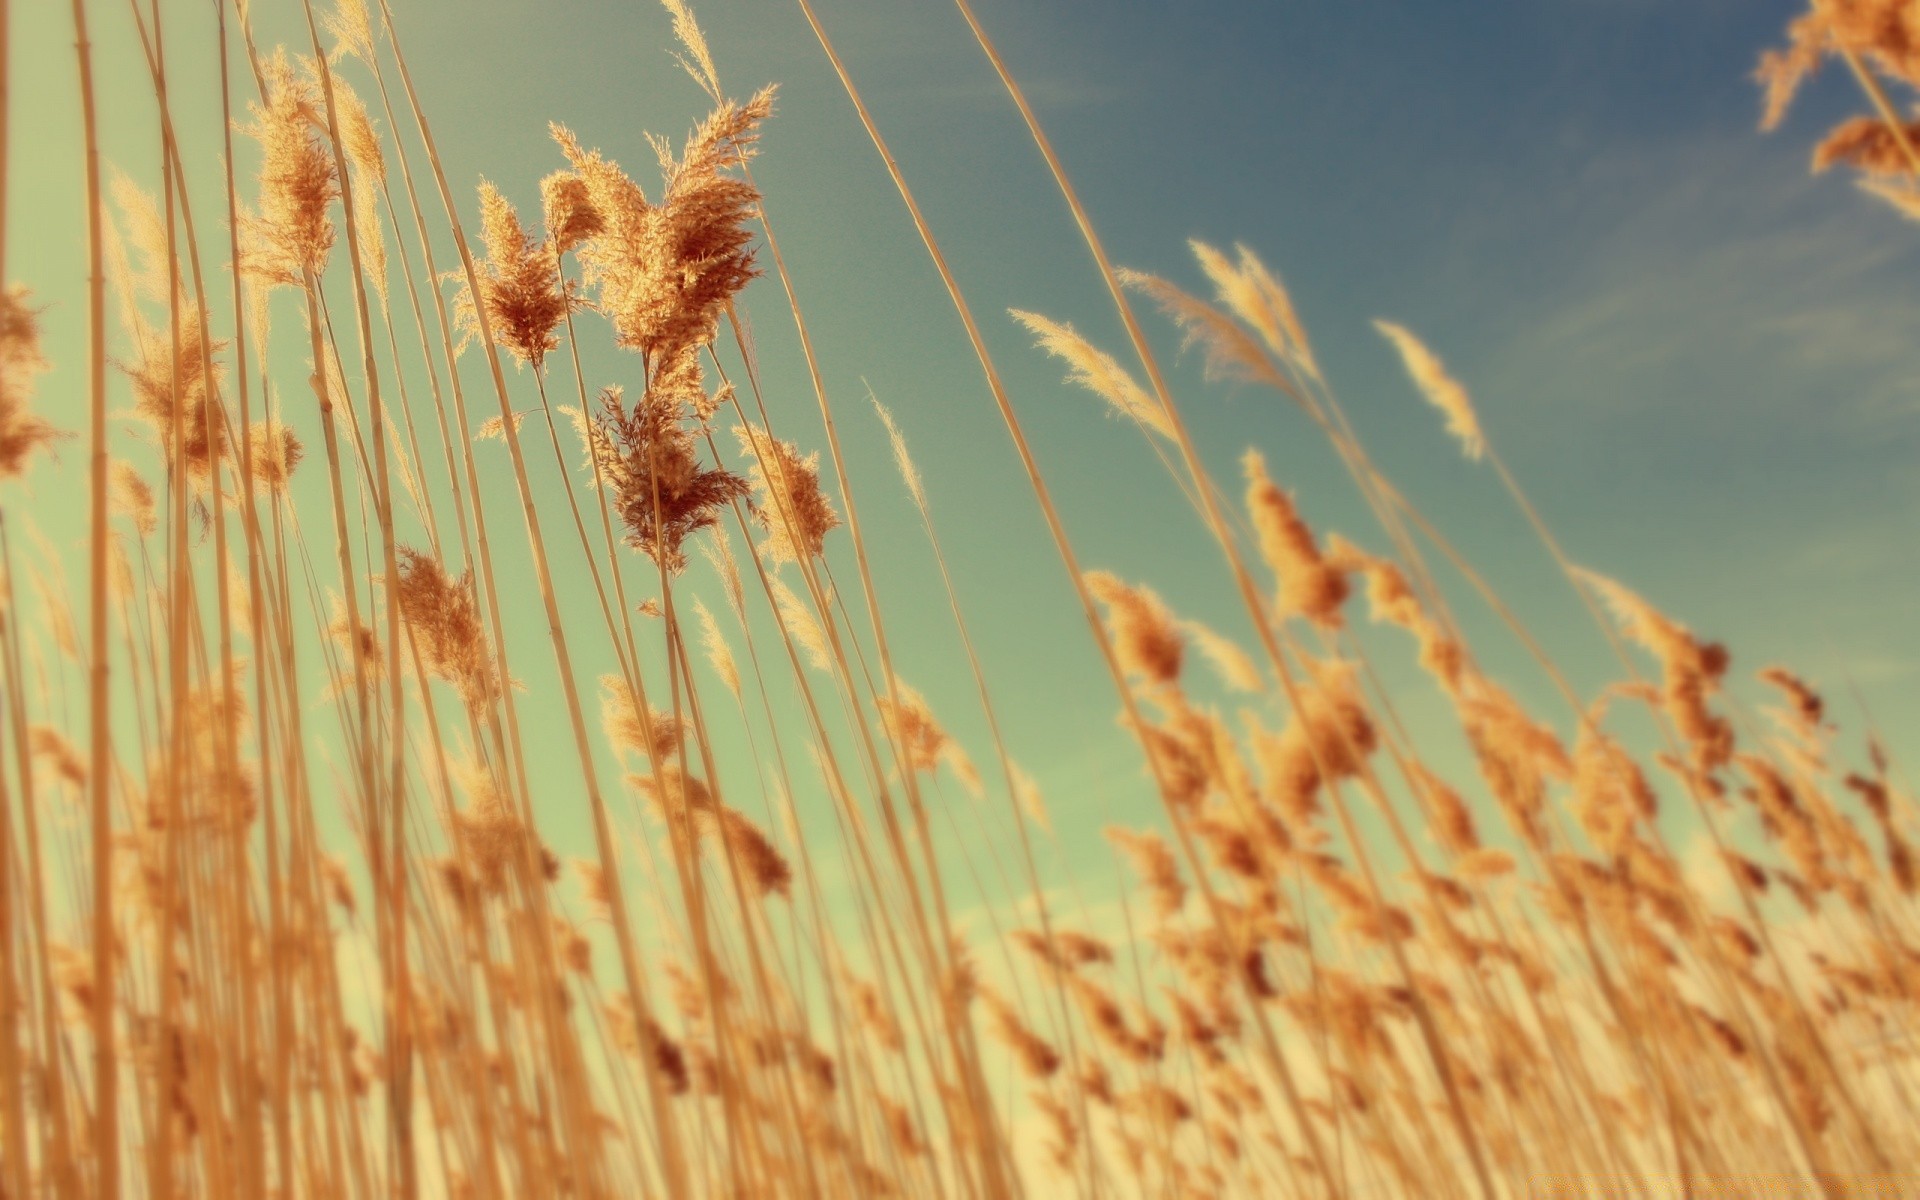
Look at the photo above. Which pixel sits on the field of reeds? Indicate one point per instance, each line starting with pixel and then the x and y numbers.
pixel 339 503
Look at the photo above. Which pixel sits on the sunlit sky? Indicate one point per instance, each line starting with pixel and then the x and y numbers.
pixel 1699 360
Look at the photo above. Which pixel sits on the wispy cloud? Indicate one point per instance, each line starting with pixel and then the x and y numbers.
pixel 1707 275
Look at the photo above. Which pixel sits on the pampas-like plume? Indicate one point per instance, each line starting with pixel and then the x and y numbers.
pixel 1097 371
pixel 1441 390
pixel 657 737
pixel 213 789
pixel 697 60
pixel 133 498
pixel 1231 352
pixel 567 210
pixel 1447 813
pixel 690 809
pixel 1610 792
pixel 663 493
pixel 1328 739
pixel 490 834
pixel 518 284
pixel 792 509
pixel 664 272
pixel 1787 819
pixel 1903 199
pixel 276 451
pixel 1257 298
pixel 644 1037
pixel 719 654
pixel 1311 586
pixel 909 472
pixel 1806 704
pixel 871 1009
pixel 1065 950
pixel 62 757
pixel 1037 1059
pixel 1232 664
pixel 172 390
pixel 1391 598
pixel 1867 143
pixel 1146 637
pixel 1026 793
pixel 1154 861
pixel 351 26
pixel 362 144
pixel 760 861
pixel 1691 669
pixel 919 736
pixel 444 618
pixel 1517 756
pixel 1884 32
pixel 21 432
pixel 798 619
pixel 293 234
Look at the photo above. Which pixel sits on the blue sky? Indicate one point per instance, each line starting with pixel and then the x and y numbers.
pixel 1698 360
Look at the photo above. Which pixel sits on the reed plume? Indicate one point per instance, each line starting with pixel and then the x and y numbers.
pixel 293 233
pixel 21 432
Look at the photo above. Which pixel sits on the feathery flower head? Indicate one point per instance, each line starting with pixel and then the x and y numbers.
pixel 759 861
pixel 362 143
pixel 1441 390
pixel 1231 352
pixel 1256 296
pixel 1691 669
pixel 1885 33
pixel 902 459
pixel 1610 793
pixel 1097 371
pixel 1391 598
pixel 1517 755
pixel 657 737
pixel 133 497
pixel 662 492
pixel 792 509
pixel 48 744
pixel 1311 586
pixel 192 776
pixel 1026 794
pixel 1868 144
pixel 489 834
pixel 275 451
pixel 1065 950
pixel 352 28
pixel 1232 664
pixel 915 730
pixel 1153 861
pixel 665 271
pixel 719 653
pixel 357 132
pixel 445 619
pixel 21 432
pixel 1448 816
pixel 292 235
pixel 1329 739
pixel 697 60
pixel 178 392
pixel 1038 1059
pixel 566 207
pixel 1806 705
pixel 519 284
pixel 1146 637
pixel 800 625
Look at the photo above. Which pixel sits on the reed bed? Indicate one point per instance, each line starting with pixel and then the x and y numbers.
pixel 284 918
